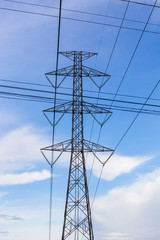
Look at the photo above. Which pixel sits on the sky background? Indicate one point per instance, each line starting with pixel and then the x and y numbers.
pixel 127 204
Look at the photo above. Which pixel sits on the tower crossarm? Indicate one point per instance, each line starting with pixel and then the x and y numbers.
pixel 89 72
pixel 95 110
pixel 59 147
pixel 66 146
pixel 67 71
pixel 64 72
pixel 93 148
pixel 66 107
pixel 89 108
pixel 84 54
pixel 60 108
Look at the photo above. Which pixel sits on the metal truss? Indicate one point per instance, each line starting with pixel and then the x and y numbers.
pixel 66 146
pixel 88 108
pixel 77 217
pixel 85 71
pixel 85 55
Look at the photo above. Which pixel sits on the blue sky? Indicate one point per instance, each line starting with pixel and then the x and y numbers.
pixel 127 201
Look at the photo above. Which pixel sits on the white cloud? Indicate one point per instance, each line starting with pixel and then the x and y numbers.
pixel 117 165
pixel 10 218
pixel 23 178
pixel 20 149
pixel 131 211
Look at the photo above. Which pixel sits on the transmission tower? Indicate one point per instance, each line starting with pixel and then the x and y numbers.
pixel 77 217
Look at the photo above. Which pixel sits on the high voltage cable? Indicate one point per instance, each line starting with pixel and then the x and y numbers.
pixel 23 98
pixel 27 83
pixel 116 40
pixel 34 98
pixel 79 11
pixel 136 116
pixel 77 20
pixel 122 138
pixel 119 88
pixel 140 3
pixel 111 55
pixel 92 127
pixel 54 119
pixel 117 37
pixel 135 50
pixel 112 51
pixel 106 16
pixel 71 95
pixel 68 88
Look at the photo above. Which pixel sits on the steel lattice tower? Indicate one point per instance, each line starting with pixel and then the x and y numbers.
pixel 77 211
pixel 77 217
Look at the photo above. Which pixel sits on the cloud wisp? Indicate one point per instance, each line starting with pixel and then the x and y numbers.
pixel 10 218
pixel 117 165
pixel 24 178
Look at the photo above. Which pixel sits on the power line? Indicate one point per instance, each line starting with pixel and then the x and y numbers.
pixel 135 50
pixel 117 37
pixel 97 186
pixel 115 43
pixel 54 119
pixel 131 124
pixel 68 88
pixel 112 51
pixel 140 3
pixel 100 41
pixel 79 11
pixel 122 138
pixel 70 95
pixel 27 83
pixel 77 20
pixel 118 90
pixel 35 98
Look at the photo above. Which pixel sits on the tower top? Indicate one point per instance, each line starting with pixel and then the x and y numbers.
pixel 71 54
